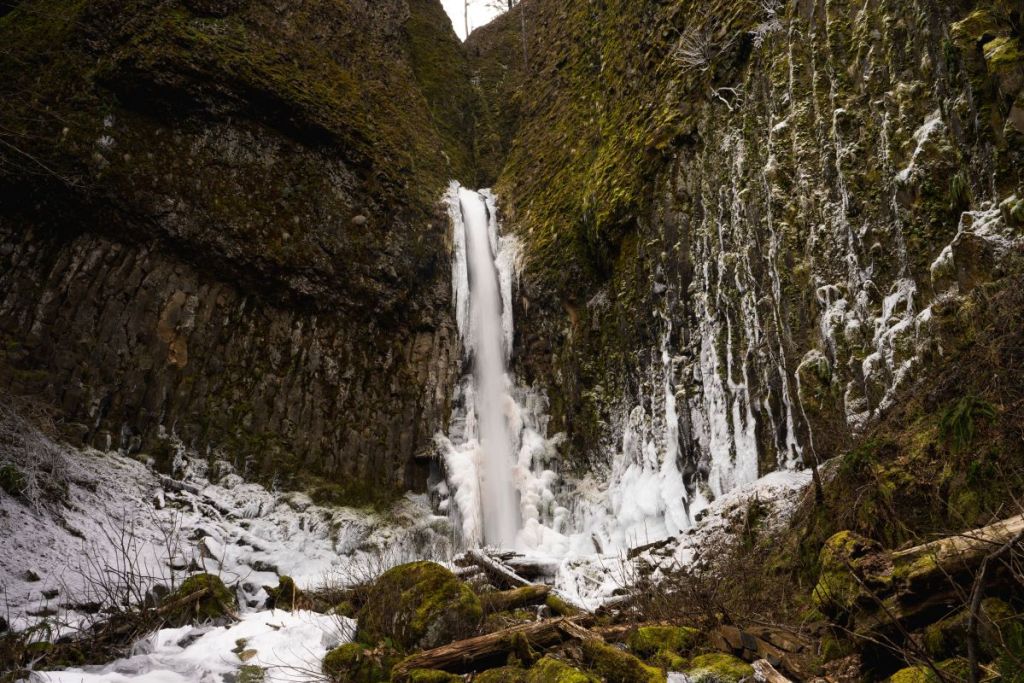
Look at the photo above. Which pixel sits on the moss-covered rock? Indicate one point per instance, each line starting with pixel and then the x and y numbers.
pixel 914 674
pixel 551 670
pixel 955 669
pixel 201 598
pixel 504 674
pixel 418 605
pixel 431 676
pixel 616 666
pixel 353 663
pixel 719 668
pixel 287 596
pixel 647 641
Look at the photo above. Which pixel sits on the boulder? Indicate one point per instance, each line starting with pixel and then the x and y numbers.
pixel 617 666
pixel 420 605
pixel 202 598
pixel 551 670
pixel 353 663
pixel 719 668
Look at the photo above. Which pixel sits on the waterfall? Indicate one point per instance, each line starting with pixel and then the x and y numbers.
pixel 482 468
pixel 498 496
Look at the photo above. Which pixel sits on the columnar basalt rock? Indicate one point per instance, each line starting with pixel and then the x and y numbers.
pixel 220 222
pixel 780 189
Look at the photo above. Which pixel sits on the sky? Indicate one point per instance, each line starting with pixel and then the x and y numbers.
pixel 479 14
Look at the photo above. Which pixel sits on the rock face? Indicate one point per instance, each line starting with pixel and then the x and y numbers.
pixel 219 220
pixel 750 208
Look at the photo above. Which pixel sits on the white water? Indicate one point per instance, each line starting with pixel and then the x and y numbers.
pixel 498 496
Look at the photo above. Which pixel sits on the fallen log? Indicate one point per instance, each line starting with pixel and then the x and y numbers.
pixel 465 655
pixel 531 568
pixel 501 601
pixel 558 602
pixel 873 591
pixel 497 569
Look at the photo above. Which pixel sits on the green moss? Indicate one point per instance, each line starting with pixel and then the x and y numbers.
pixel 442 72
pixel 418 605
pixel 504 674
pixel 350 494
pixel 551 670
pixel 1003 52
pixel 560 607
pixel 431 676
pixel 719 668
pixel 914 674
pixel 649 640
pixel 617 666
pixel 200 598
pixel 250 673
pixel 287 595
pixel 345 608
pixel 837 590
pixel 978 26
pixel 352 663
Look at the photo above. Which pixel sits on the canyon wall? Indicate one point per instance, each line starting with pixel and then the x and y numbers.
pixel 786 208
pixel 220 220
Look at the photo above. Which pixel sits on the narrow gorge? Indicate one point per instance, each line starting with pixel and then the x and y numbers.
pixel 719 381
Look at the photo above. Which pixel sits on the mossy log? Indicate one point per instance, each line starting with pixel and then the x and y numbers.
pixel 501 601
pixel 497 570
pixel 872 590
pixel 464 655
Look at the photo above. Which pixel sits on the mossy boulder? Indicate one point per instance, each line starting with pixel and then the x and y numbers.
pixel 648 641
pixel 431 676
pixel 201 598
pixel 551 670
pixel 287 596
pixel 505 674
pixel 353 663
pixel 617 666
pixel 418 606
pixel 719 668
pixel 913 674
pixel 956 669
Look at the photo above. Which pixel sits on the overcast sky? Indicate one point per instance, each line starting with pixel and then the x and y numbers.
pixel 479 14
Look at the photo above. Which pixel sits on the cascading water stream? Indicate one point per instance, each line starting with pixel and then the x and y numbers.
pixel 499 507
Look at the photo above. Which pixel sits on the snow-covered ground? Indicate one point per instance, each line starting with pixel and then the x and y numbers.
pixel 123 519
pixel 287 646
pixel 120 511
